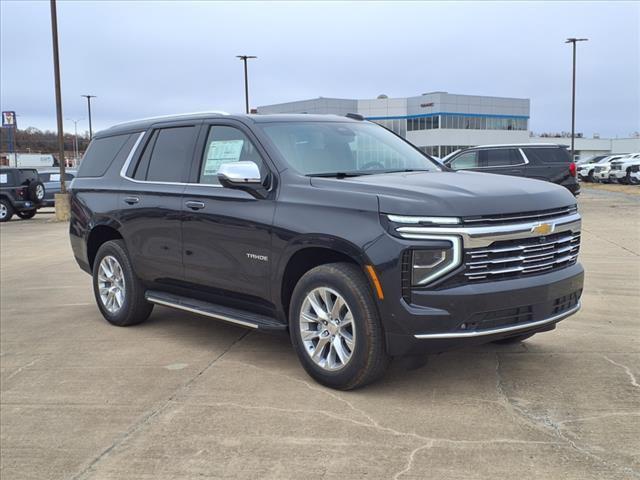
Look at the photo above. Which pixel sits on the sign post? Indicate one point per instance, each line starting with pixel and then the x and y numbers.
pixel 9 123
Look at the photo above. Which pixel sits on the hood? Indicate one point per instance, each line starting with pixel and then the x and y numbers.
pixel 453 193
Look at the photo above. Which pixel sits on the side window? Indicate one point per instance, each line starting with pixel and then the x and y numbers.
pixel 100 155
pixel 465 161
pixel 500 157
pixel 226 144
pixel 547 155
pixel 167 155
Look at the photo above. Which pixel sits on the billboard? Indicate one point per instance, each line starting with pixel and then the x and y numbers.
pixel 8 119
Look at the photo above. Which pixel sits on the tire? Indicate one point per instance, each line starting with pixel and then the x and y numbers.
pixel 516 339
pixel 128 308
pixel 367 357
pixel 590 177
pixel 26 214
pixel 6 210
pixel 36 191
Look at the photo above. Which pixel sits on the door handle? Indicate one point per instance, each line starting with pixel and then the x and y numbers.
pixel 131 200
pixel 194 205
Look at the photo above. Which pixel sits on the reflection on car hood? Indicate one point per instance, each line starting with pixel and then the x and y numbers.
pixel 454 193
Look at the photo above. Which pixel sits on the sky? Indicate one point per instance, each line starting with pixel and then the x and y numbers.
pixel 152 58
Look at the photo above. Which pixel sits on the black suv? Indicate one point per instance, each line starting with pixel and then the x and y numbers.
pixel 542 161
pixel 21 192
pixel 333 229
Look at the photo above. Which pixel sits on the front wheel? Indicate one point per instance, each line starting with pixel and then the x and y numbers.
pixel 27 214
pixel 335 327
pixel 118 291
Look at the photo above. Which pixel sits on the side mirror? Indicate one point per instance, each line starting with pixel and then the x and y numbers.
pixel 242 176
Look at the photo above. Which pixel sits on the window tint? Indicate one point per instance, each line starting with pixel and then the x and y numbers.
pixel 167 155
pixel 55 177
pixel 547 155
pixel 465 161
pixel 25 177
pixel 100 155
pixel 224 145
pixel 500 157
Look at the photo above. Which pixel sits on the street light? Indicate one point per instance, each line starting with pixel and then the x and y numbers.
pixel 244 58
pixel 75 138
pixel 573 41
pixel 56 74
pixel 89 97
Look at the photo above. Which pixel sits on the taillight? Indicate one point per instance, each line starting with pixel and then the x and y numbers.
pixel 572 169
pixel 20 192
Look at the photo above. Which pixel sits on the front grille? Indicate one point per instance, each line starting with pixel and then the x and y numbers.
pixel 507 218
pixel 528 256
pixel 562 304
pixel 616 167
pixel 598 169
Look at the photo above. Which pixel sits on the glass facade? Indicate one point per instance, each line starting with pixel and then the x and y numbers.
pixel 395 125
pixel 474 122
pixel 423 123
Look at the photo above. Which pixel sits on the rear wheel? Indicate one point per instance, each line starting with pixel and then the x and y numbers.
pixel 590 177
pixel 335 327
pixel 6 210
pixel 27 214
pixel 118 291
pixel 516 339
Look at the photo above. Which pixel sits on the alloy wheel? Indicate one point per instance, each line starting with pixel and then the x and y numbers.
pixel 327 328
pixel 111 284
pixel 3 211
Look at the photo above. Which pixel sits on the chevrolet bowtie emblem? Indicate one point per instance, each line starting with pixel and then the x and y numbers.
pixel 543 228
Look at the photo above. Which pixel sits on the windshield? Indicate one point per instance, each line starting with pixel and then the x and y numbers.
pixel 334 148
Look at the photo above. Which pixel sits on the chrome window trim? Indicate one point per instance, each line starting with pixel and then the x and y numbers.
pixel 125 167
pixel 484 236
pixel 513 328
pixel 524 157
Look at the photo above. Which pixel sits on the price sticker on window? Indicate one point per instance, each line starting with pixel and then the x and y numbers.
pixel 222 151
pixel 3 178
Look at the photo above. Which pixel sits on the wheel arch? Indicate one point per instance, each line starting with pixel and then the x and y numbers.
pixel 97 236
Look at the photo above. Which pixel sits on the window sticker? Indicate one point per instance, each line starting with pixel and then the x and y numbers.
pixel 222 151
pixel 3 178
pixel 55 177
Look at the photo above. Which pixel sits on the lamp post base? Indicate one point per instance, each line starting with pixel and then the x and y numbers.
pixel 63 207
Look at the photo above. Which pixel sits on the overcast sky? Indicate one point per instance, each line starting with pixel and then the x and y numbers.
pixel 152 58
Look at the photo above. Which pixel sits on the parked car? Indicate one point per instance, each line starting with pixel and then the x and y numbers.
pixel 620 170
pixel 634 175
pixel 21 192
pixel 543 161
pixel 586 171
pixel 333 229
pixel 602 168
pixel 51 180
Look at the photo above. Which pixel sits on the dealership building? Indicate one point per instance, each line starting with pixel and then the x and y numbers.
pixel 440 123
pixel 437 122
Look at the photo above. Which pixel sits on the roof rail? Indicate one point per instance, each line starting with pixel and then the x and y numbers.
pixel 160 117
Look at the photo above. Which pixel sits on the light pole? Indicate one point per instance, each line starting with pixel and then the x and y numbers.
pixel 56 74
pixel 75 139
pixel 573 41
pixel 89 97
pixel 244 58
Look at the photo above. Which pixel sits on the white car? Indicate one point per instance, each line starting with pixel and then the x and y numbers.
pixel 634 175
pixel 585 168
pixel 602 168
pixel 620 170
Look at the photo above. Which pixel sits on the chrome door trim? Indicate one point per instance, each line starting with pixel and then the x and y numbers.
pixel 494 331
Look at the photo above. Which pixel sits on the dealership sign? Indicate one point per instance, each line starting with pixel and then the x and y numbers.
pixel 8 119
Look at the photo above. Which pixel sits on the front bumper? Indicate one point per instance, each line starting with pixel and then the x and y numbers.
pixel 441 320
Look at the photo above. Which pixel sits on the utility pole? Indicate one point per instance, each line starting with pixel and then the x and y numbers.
pixel 244 58
pixel 89 97
pixel 573 41
pixel 76 153
pixel 56 71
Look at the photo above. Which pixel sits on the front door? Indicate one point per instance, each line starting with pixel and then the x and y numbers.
pixel 226 232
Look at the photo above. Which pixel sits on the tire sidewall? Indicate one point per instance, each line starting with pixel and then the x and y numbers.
pixel 33 188
pixel 9 208
pixel 115 249
pixel 360 308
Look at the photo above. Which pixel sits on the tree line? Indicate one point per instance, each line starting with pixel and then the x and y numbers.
pixel 37 141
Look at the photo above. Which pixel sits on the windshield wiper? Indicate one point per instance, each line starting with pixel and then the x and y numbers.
pixel 336 174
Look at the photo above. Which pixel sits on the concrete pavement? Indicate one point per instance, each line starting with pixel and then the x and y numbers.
pixel 187 397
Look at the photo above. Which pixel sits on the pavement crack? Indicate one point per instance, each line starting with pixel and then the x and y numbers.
pixel 545 423
pixel 16 372
pixel 626 369
pixel 149 416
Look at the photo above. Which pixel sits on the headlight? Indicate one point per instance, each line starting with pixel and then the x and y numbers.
pixel 429 264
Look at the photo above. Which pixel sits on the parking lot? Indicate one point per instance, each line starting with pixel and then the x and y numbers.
pixel 185 397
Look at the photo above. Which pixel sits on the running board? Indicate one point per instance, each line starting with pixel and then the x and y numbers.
pixel 226 314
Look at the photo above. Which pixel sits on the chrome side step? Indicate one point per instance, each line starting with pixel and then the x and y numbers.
pixel 212 310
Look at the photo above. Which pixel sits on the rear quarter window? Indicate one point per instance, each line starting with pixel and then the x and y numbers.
pixel 100 155
pixel 547 155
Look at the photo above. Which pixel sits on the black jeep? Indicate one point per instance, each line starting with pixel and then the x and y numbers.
pixel 21 192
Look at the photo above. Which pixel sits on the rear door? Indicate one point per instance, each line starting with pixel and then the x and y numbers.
pixel 227 232
pixel 505 161
pixel 548 163
pixel 151 202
